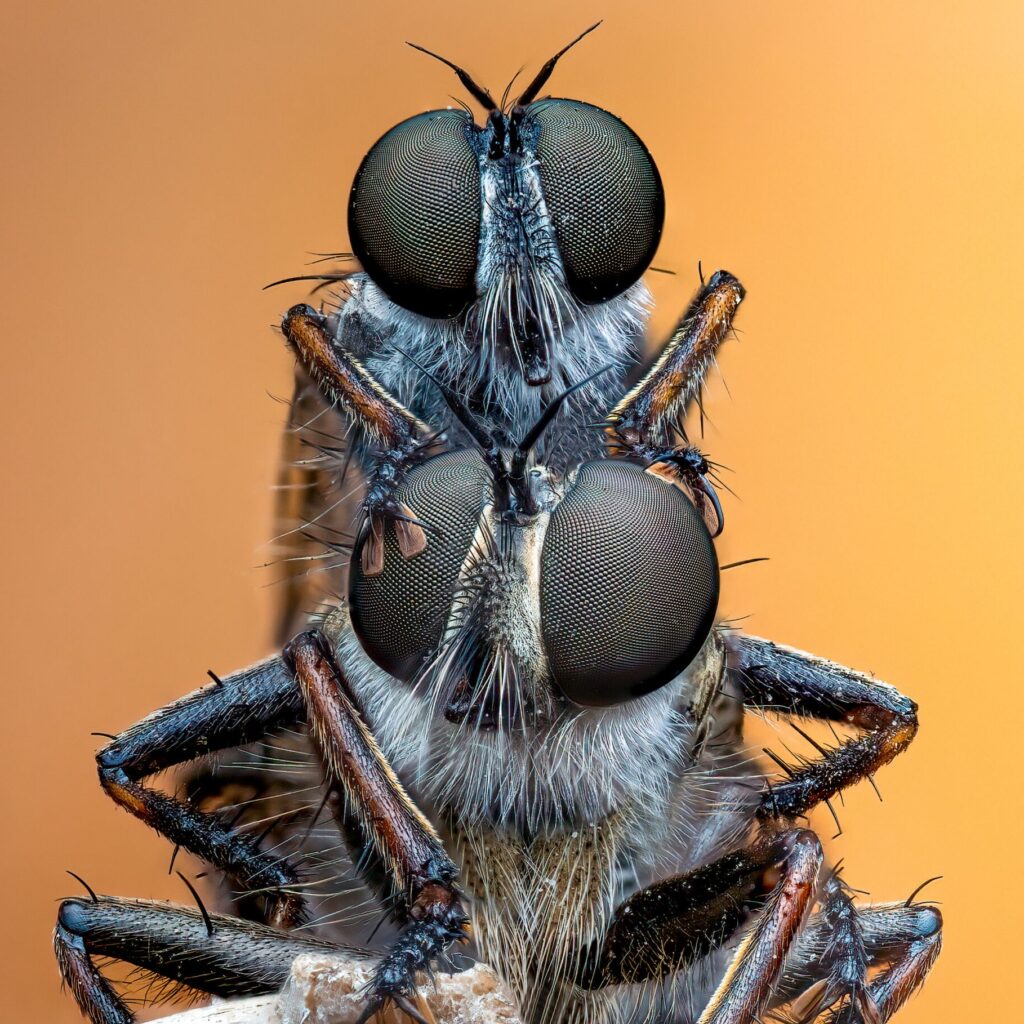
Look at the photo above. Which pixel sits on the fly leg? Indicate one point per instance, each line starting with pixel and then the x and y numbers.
pixel 672 924
pixel 305 683
pixel 665 394
pixel 421 874
pixel 910 964
pixel 402 439
pixel 211 953
pixel 645 424
pixel 787 681
pixel 903 938
pixel 236 710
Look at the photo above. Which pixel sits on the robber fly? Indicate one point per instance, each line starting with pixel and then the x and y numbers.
pixel 507 260
pixel 525 713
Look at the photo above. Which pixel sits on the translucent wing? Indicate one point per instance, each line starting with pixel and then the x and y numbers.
pixel 319 489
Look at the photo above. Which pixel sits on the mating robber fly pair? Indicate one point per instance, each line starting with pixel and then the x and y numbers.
pixel 523 724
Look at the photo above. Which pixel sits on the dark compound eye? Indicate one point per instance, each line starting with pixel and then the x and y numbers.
pixel 400 614
pixel 414 214
pixel 629 584
pixel 604 194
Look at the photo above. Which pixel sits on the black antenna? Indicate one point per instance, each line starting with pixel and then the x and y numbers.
pixel 509 482
pixel 544 74
pixel 481 95
pixel 487 442
pixel 517 471
pixel 551 410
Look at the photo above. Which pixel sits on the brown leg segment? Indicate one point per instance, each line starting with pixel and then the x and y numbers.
pixel 403 439
pixel 642 426
pixel 422 873
pixel 648 413
pixel 667 926
pixel 344 381
pixel 747 986
pixel 788 681
pixel 306 683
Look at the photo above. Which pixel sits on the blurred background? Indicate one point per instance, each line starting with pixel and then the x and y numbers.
pixel 859 166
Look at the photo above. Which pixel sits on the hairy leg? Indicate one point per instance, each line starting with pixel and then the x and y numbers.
pixel 662 398
pixel 905 938
pixel 402 438
pixel 208 952
pixel 235 710
pixel 672 924
pixel 306 683
pixel 787 681
pixel 645 423
pixel 420 872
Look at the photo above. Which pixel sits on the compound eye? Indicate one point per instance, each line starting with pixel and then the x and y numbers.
pixel 400 614
pixel 604 194
pixel 629 584
pixel 414 214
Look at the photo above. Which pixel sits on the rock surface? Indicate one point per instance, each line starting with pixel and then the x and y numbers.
pixel 327 990
pixel 261 1010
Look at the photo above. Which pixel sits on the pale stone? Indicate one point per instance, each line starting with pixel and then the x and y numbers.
pixel 330 990
pixel 260 1010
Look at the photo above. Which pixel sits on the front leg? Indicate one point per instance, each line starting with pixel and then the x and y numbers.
pixel 654 407
pixel 421 873
pixel 401 437
pixel 236 710
pixel 784 680
pixel 644 424
pixel 903 938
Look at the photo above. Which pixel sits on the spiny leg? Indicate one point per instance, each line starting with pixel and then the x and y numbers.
pixel 403 439
pixel 841 964
pixel 642 425
pixel 894 986
pixel 305 683
pixel 421 873
pixel 674 923
pixel 235 710
pixel 844 961
pixel 787 681
pixel 212 953
pixel 664 396
pixel 906 937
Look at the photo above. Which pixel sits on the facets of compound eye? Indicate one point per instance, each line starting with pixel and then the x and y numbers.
pixel 400 614
pixel 629 584
pixel 604 194
pixel 414 214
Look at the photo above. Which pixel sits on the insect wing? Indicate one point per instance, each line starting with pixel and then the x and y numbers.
pixel 319 489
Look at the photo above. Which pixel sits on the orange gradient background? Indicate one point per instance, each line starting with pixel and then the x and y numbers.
pixel 859 166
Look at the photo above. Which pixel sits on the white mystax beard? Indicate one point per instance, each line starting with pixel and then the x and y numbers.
pixel 579 767
pixel 470 353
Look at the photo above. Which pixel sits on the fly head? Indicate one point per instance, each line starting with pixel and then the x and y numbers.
pixel 526 231
pixel 604 591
